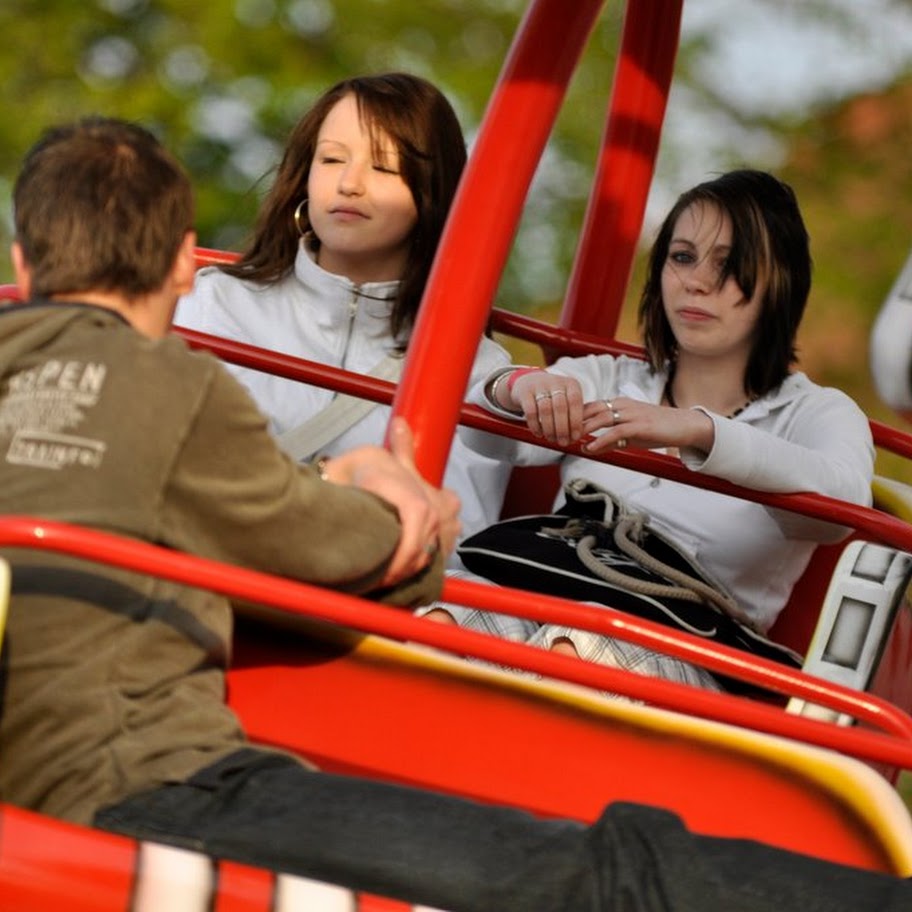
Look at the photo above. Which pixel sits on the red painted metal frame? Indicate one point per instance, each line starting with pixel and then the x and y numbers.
pixel 548 336
pixel 633 127
pixel 489 202
pixel 878 525
pixel 891 745
pixel 483 221
pixel 48 864
pixel 55 865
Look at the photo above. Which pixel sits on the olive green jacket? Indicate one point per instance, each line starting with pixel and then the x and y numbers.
pixel 115 682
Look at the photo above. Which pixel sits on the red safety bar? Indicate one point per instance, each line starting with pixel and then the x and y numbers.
pixel 878 525
pixel 892 744
pixel 48 864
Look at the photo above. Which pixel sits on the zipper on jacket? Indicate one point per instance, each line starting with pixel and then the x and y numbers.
pixel 352 313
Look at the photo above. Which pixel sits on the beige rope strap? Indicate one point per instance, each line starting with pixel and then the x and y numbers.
pixel 628 531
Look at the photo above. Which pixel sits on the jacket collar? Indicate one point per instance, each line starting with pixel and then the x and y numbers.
pixel 378 295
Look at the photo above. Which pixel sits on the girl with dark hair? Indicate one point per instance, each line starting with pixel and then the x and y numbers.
pixel 728 278
pixel 337 265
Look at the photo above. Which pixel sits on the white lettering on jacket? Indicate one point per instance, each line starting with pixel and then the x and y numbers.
pixel 41 409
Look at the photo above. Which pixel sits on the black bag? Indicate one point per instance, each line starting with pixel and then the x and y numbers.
pixel 595 549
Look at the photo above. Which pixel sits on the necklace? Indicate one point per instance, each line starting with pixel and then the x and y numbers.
pixel 670 399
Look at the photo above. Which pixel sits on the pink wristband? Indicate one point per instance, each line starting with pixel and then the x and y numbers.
pixel 519 372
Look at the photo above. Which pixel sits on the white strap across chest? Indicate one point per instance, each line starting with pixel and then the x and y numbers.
pixel 303 441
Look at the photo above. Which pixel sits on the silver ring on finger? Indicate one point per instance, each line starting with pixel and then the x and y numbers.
pixel 558 392
pixel 540 396
pixel 622 443
pixel 615 416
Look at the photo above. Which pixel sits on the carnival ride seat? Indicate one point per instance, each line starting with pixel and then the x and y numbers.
pixel 353 686
pixel 439 722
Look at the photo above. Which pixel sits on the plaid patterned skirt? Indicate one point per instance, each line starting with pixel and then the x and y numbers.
pixel 592 647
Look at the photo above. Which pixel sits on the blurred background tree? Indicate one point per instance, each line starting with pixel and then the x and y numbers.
pixel 222 82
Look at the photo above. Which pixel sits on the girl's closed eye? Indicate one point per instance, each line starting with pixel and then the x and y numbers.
pixel 386 160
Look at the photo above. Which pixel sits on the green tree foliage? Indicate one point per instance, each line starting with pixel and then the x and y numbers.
pixel 223 82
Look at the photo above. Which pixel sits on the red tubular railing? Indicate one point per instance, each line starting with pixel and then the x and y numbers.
pixel 892 747
pixel 876 524
pixel 522 327
pixel 209 256
pixel 557 340
pixel 885 436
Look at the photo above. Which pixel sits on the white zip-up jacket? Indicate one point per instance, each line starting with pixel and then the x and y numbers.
pixel 800 437
pixel 313 314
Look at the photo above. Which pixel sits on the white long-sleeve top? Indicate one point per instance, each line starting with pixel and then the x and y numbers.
pixel 313 314
pixel 801 437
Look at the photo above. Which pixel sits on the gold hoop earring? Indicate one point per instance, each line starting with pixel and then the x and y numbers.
pixel 300 218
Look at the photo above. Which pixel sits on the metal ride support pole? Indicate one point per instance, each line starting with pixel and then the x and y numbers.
pixel 630 145
pixel 483 220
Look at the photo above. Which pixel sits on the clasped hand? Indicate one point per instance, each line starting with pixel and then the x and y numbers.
pixel 429 516
pixel 554 409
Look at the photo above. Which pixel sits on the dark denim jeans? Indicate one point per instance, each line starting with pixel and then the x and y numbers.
pixel 267 810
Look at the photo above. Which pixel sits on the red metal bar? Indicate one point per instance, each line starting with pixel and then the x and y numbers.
pixel 483 220
pixel 322 604
pixel 892 439
pixel 725 660
pixel 878 525
pixel 557 340
pixel 208 256
pixel 47 863
pixel 53 865
pixel 315 372
pixel 554 338
pixel 630 145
